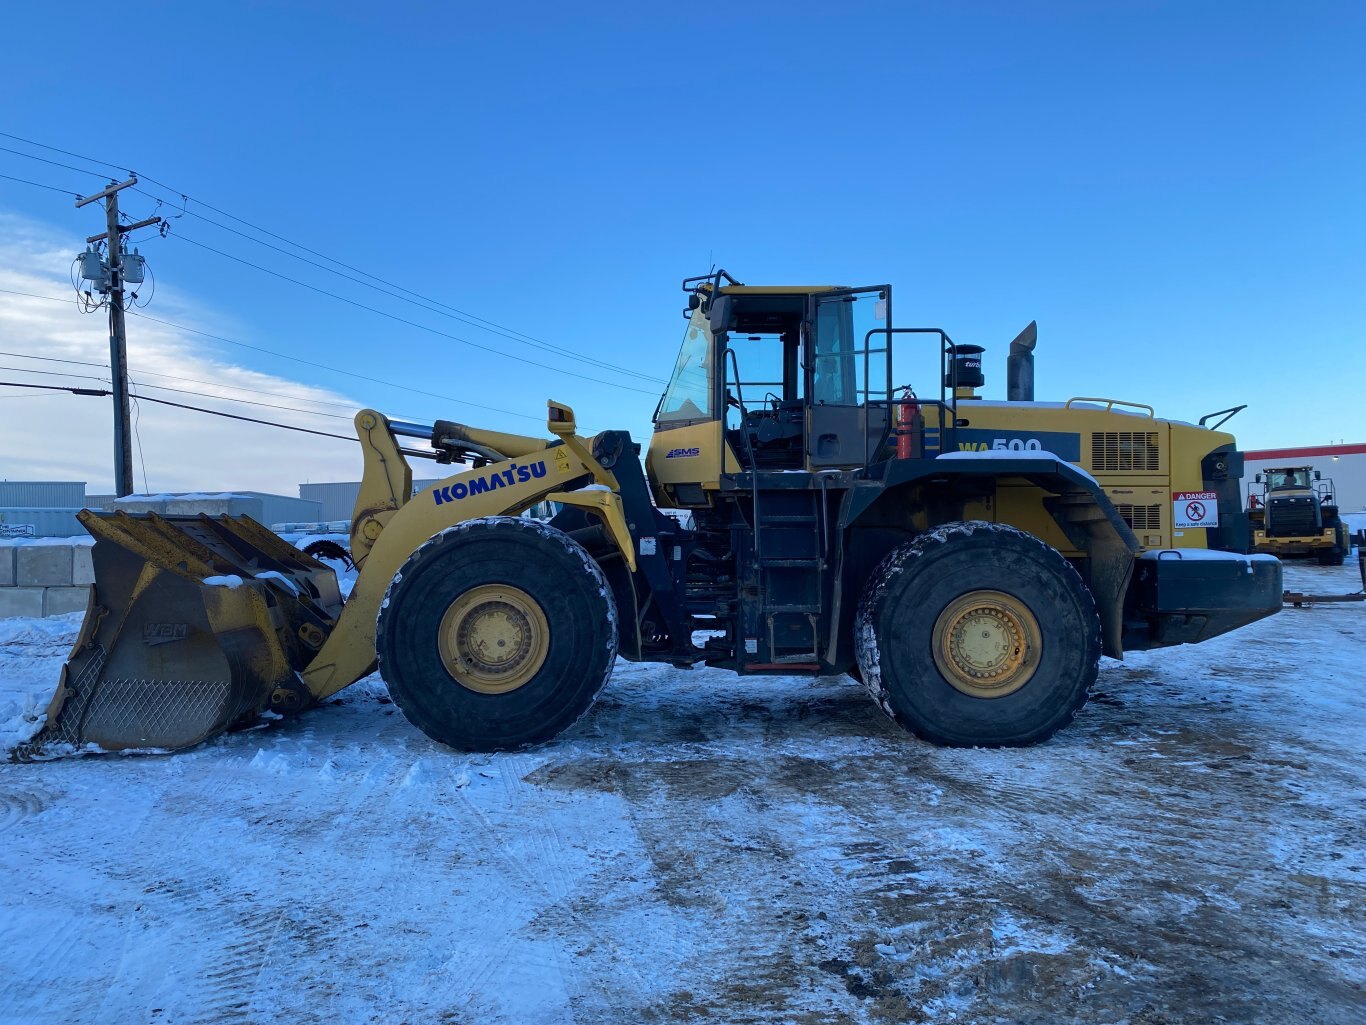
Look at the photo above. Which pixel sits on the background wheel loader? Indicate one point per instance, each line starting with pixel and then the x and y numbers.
pixel 1293 514
pixel 968 561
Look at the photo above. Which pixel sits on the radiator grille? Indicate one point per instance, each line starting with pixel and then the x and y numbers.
pixel 1288 517
pixel 1141 517
pixel 1124 450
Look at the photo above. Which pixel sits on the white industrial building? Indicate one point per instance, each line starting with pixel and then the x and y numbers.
pixel 41 508
pixel 337 499
pixel 1344 464
pixel 48 508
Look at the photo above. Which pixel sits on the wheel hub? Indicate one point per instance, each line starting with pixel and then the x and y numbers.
pixel 987 644
pixel 494 638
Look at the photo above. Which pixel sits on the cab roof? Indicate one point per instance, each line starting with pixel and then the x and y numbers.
pixel 777 289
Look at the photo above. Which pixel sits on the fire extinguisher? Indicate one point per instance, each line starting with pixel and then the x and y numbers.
pixel 907 410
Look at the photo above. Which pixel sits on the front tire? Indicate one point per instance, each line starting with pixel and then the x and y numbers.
pixel 497 634
pixel 978 635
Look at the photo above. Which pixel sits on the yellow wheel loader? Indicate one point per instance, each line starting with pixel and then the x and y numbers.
pixel 1293 515
pixel 799 513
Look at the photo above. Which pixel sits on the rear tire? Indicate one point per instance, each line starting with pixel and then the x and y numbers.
pixel 1332 557
pixel 497 634
pixel 978 635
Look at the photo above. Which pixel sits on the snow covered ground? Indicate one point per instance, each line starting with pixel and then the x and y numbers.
pixel 701 847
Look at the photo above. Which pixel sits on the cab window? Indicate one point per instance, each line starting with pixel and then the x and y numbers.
pixel 843 360
pixel 690 393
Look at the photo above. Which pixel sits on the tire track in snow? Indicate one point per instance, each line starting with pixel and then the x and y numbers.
pixel 18 805
pixel 29 959
pixel 199 890
pixel 228 989
pixel 541 892
pixel 507 914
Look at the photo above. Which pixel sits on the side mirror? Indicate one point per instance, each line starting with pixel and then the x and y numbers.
pixel 1318 475
pixel 560 419
pixel 718 314
pixel 1259 479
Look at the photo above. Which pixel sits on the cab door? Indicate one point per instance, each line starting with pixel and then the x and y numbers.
pixel 848 366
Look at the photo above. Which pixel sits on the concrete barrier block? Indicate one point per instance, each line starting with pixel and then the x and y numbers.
pixel 21 601
pixel 42 565
pixel 6 565
pixel 58 601
pixel 82 566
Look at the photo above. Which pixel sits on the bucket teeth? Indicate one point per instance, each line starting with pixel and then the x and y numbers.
pixel 194 623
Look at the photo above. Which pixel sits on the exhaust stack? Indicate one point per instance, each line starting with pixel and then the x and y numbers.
pixel 1020 365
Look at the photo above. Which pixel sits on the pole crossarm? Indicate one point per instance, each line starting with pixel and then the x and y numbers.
pixel 124 229
pixel 111 190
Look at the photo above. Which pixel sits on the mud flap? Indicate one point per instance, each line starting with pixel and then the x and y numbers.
pixel 195 623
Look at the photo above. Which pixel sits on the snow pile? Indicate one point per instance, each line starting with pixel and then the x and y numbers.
pixel 189 496
pixel 31 655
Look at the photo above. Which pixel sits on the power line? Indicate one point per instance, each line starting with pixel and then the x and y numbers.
pixel 295 359
pixel 51 188
pixel 191 380
pixel 473 320
pixel 248 419
pixel 245 402
pixel 421 302
pixel 180 391
pixel 104 392
pixel 402 320
pixel 454 313
pixel 336 370
pixel 54 163
pixel 56 373
pixel 65 152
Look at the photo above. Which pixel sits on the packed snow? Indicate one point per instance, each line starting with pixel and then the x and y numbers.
pixel 703 847
pixel 229 580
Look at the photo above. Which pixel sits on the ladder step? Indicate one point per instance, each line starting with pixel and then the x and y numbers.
pixel 799 609
pixel 765 518
pixel 791 562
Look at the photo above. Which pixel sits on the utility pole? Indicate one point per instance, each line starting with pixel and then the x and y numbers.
pixel 118 340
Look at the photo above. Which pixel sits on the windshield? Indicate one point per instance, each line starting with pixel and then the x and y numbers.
pixel 1288 479
pixel 690 391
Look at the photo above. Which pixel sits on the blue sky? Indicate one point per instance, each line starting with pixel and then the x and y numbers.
pixel 1174 191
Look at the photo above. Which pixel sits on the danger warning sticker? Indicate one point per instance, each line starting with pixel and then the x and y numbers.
pixel 1195 509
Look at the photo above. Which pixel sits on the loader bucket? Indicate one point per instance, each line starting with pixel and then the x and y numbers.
pixel 195 623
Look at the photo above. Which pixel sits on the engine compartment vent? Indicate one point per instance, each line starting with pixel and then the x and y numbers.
pixel 1141 517
pixel 1125 450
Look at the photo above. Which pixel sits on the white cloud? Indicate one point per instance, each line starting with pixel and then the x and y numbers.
pixel 59 436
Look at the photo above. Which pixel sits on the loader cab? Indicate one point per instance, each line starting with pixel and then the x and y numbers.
pixel 772 379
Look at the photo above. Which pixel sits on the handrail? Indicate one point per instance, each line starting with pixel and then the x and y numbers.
pixel 1232 411
pixel 1111 403
pixel 749 451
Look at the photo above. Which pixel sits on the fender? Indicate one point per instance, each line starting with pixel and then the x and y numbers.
pixel 1075 502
